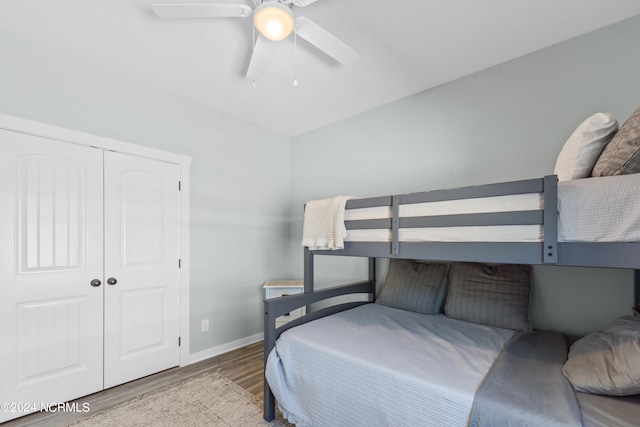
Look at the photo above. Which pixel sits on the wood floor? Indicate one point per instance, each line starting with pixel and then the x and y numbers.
pixel 243 366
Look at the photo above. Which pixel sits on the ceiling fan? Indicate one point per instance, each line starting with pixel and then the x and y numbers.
pixel 274 20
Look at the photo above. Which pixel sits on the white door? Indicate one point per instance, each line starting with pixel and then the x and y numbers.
pixel 142 251
pixel 51 249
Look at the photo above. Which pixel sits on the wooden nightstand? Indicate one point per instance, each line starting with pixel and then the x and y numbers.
pixel 279 288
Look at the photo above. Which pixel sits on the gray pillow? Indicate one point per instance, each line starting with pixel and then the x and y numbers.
pixel 415 285
pixel 490 294
pixel 622 155
pixel 607 362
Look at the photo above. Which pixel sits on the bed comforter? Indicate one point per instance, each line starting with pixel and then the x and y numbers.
pixel 377 366
pixel 526 386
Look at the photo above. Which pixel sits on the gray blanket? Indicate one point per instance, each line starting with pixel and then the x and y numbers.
pixel 526 387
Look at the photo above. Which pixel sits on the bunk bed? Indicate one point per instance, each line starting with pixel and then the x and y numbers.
pixel 454 364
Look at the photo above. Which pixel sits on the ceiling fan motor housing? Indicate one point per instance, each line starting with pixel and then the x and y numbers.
pixel 274 20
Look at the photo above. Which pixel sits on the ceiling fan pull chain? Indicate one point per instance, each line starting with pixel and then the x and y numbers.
pixel 253 47
pixel 295 51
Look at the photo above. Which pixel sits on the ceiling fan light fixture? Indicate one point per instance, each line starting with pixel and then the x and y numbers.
pixel 273 20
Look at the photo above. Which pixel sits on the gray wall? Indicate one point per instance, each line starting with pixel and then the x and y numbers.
pixel 240 174
pixel 504 123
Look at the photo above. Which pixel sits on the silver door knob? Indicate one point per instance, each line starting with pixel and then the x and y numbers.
pixel 112 281
pixel 96 282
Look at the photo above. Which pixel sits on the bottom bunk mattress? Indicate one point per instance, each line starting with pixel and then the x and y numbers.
pixel 378 365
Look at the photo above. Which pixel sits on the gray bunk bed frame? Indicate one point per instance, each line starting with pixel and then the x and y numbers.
pixel 548 252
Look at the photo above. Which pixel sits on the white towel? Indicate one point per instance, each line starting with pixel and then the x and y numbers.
pixel 324 223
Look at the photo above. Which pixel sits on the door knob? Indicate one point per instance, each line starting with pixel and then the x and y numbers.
pixel 112 280
pixel 96 282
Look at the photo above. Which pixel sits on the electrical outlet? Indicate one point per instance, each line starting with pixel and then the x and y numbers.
pixel 205 325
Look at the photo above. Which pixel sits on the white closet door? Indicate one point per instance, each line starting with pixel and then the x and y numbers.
pixel 142 295
pixel 51 243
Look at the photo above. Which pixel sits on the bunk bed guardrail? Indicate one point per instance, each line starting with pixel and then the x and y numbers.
pixel 544 252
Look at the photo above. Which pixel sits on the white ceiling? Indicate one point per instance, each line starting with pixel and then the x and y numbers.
pixel 405 47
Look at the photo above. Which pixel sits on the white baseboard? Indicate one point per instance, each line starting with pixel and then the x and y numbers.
pixel 224 348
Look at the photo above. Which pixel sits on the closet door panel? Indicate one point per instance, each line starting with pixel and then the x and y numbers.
pixel 142 241
pixel 50 250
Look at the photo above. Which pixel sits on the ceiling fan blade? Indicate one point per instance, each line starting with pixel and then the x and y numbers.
pixel 325 41
pixel 202 10
pixel 303 3
pixel 260 58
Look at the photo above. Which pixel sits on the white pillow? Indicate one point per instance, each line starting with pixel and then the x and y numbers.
pixel 581 151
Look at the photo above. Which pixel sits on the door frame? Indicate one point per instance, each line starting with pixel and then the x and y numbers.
pixel 30 127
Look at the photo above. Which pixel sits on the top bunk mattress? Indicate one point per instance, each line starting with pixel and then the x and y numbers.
pixel 603 209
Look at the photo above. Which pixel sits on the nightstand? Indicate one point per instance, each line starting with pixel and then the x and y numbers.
pixel 279 288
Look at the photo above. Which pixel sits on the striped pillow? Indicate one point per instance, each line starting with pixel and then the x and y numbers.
pixel 490 294
pixel 622 155
pixel 415 286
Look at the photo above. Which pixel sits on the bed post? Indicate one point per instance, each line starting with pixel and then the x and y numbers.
pixel 308 271
pixel 549 251
pixel 372 278
pixel 636 292
pixel 395 225
pixel 269 401
pixel 270 336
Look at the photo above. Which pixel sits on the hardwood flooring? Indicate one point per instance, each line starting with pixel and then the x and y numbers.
pixel 243 366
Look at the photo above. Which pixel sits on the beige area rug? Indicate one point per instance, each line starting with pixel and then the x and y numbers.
pixel 207 400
